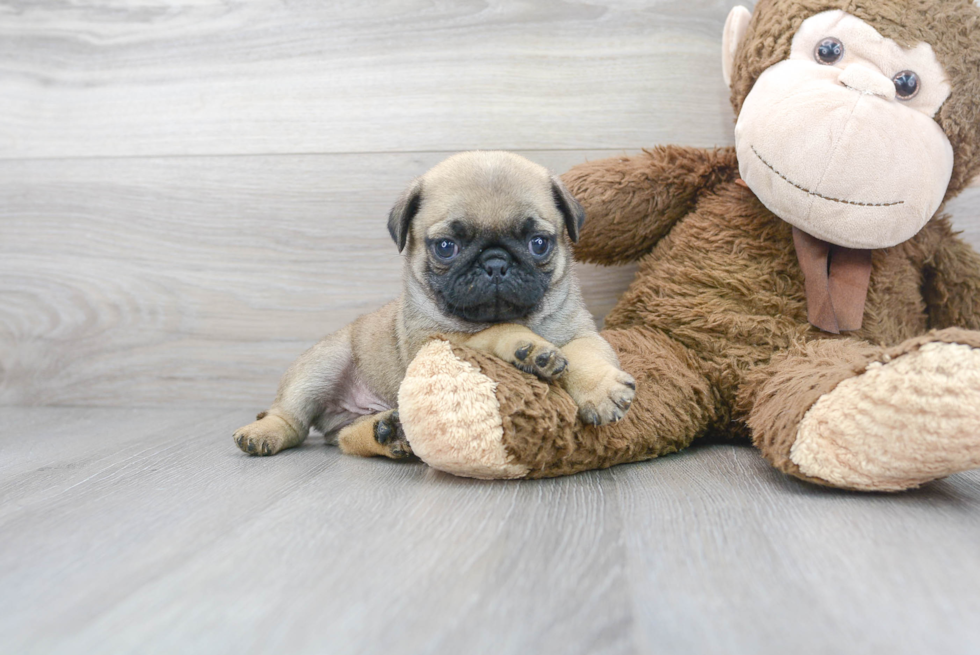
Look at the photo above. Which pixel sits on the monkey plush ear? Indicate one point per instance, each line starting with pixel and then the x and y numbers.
pixel 401 215
pixel 975 182
pixel 568 206
pixel 735 26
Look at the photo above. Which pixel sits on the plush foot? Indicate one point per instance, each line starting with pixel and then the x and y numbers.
pixel 267 435
pixel 901 423
pixel 452 415
pixel 378 435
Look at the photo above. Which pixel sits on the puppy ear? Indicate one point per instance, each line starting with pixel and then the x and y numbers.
pixel 401 215
pixel 569 208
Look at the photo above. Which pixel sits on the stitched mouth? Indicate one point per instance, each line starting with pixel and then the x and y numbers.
pixel 820 195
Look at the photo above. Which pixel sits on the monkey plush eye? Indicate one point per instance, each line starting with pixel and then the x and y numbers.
pixel 906 85
pixel 445 249
pixel 539 245
pixel 829 51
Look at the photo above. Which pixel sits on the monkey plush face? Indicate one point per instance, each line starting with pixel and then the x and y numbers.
pixel 839 139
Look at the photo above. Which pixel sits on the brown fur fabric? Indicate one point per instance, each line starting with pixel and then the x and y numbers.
pixel 672 394
pixel 725 283
pixel 714 326
pixel 950 335
pixel 775 398
pixel 951 289
pixel 614 192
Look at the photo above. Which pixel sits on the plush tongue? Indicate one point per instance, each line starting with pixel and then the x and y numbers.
pixel 836 282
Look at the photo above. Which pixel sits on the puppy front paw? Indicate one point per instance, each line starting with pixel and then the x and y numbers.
pixel 605 399
pixel 266 436
pixel 391 437
pixel 540 358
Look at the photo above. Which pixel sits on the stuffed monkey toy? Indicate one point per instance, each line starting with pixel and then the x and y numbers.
pixel 802 289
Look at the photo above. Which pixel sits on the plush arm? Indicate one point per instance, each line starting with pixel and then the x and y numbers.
pixel 952 283
pixel 632 202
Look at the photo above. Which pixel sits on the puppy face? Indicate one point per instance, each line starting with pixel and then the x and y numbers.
pixel 486 274
pixel 486 235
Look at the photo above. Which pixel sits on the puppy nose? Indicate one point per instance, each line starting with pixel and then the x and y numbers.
pixel 863 79
pixel 495 262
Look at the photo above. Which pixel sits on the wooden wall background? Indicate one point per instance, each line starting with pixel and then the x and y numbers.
pixel 194 191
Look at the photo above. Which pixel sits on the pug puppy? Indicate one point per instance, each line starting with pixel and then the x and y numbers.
pixel 486 241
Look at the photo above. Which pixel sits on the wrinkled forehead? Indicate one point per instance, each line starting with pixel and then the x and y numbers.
pixel 488 199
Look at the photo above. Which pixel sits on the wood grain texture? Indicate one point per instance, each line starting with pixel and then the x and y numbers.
pixel 147 531
pixel 104 78
pixel 130 279
pixel 777 565
pixel 197 280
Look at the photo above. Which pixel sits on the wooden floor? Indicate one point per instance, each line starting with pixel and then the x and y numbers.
pixel 142 531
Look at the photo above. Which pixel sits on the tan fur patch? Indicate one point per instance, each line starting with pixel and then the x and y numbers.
pixel 899 424
pixel 451 416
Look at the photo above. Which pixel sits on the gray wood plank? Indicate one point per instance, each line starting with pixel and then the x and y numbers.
pixel 190 546
pixel 197 280
pixel 775 565
pixel 193 547
pixel 42 454
pixel 105 78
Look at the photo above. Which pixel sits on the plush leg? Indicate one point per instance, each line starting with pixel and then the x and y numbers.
pixel 586 367
pixel 847 414
pixel 471 414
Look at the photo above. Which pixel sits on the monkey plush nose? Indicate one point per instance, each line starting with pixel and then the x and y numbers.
pixel 495 262
pixel 863 79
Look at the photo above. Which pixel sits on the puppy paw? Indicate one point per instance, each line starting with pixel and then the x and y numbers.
pixel 606 400
pixel 266 436
pixel 540 358
pixel 391 437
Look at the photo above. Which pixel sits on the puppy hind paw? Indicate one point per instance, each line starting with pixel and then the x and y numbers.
pixel 266 436
pixel 391 437
pixel 255 443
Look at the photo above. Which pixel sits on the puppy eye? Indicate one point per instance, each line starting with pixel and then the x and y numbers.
pixel 445 249
pixel 906 85
pixel 829 51
pixel 539 245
